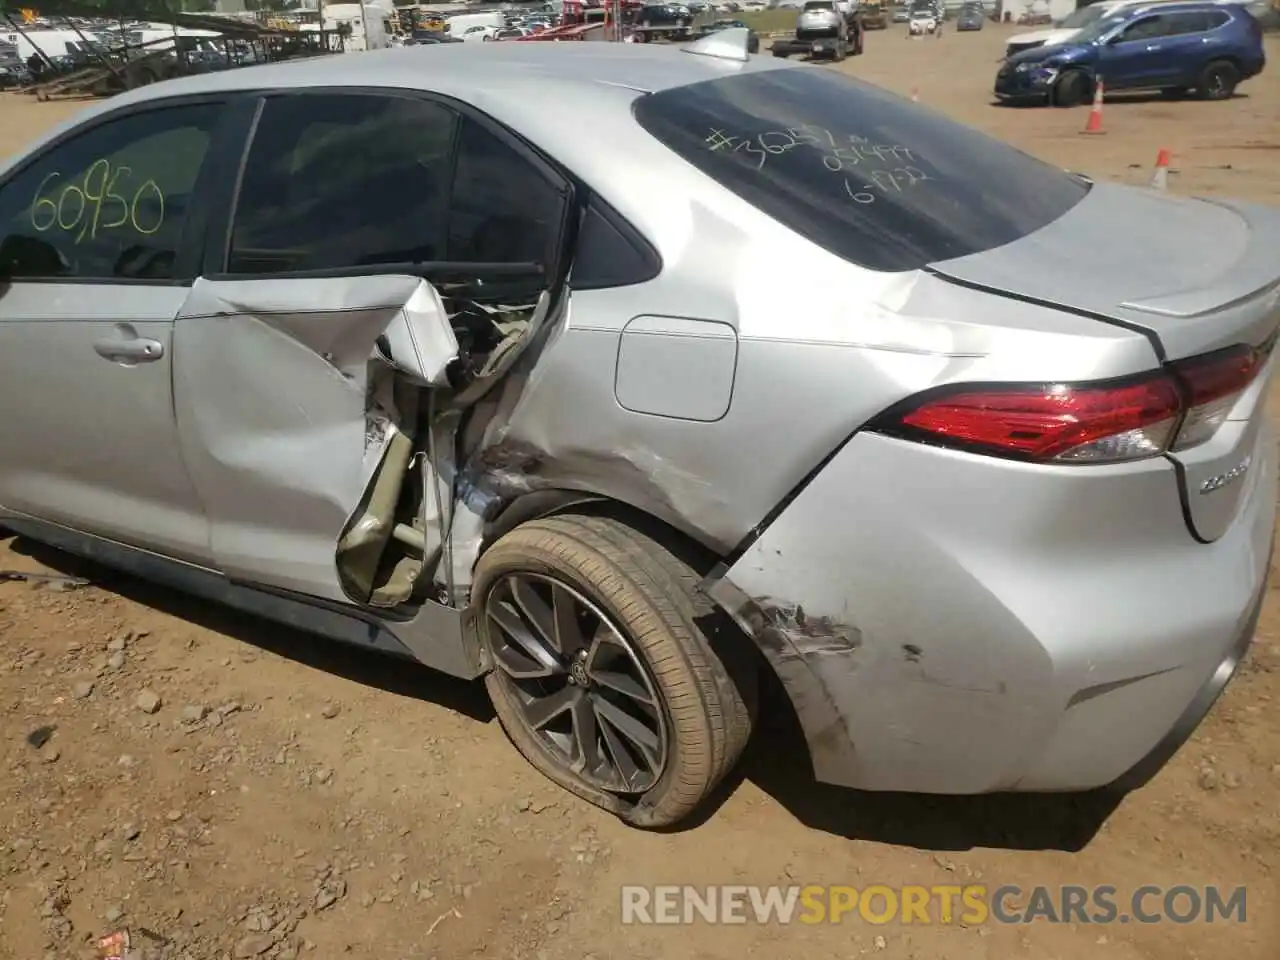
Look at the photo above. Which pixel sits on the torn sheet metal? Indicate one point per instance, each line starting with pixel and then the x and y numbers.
pixel 777 628
pixel 420 342
pixel 282 416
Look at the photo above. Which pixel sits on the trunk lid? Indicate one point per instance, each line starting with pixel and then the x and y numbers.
pixel 1194 275
pixel 1197 274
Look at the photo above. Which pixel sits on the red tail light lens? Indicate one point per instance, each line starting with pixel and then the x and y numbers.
pixel 1086 423
pixel 1213 384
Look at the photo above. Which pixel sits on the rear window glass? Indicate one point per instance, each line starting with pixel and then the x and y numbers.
pixel 868 175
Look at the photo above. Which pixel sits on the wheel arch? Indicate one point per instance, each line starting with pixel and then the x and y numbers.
pixel 549 502
pixel 701 557
pixel 1227 58
pixel 1084 70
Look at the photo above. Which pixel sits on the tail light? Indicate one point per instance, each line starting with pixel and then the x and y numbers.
pixel 1175 408
pixel 1213 385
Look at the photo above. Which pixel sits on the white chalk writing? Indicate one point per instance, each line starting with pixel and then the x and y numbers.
pixel 867 168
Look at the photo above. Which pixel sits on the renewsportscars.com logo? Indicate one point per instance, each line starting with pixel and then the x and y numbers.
pixel 969 905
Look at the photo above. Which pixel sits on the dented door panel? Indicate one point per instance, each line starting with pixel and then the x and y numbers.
pixel 283 418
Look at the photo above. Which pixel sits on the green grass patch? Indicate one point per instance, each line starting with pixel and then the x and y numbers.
pixel 767 21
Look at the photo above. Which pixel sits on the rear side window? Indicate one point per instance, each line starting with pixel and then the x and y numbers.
pixel 860 171
pixel 343 180
pixel 335 181
pixel 1188 23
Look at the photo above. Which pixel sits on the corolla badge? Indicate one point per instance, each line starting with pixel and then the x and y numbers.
pixel 1226 479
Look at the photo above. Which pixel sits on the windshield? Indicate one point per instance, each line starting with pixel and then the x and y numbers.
pixel 858 170
pixel 1082 17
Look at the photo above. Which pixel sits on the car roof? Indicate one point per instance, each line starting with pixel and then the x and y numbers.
pixel 1177 6
pixel 529 87
pixel 1129 6
pixel 548 93
pixel 499 71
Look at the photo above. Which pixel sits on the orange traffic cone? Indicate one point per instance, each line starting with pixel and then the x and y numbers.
pixel 1160 179
pixel 1094 125
pixel 915 94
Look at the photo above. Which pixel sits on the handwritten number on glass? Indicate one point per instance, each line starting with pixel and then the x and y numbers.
pixel 718 140
pixel 93 203
pixel 861 196
pixel 839 155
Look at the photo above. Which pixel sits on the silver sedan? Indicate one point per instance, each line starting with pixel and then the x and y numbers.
pixel 620 375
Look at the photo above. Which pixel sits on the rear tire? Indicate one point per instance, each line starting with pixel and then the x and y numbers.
pixel 1072 89
pixel 695 703
pixel 1219 81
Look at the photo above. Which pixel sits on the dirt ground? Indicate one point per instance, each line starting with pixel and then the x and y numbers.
pixel 238 790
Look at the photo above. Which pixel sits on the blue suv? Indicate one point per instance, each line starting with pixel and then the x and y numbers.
pixel 1173 47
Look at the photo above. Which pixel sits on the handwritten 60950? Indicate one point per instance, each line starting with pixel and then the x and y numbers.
pixel 105 198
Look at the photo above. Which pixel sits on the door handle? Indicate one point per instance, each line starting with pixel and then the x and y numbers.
pixel 1153 46
pixel 140 350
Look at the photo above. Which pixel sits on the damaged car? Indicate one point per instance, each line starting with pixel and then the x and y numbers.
pixel 382 349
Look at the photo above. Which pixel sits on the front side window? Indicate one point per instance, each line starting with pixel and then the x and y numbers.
pixel 1148 28
pixel 343 180
pixel 1099 28
pixel 110 203
pixel 858 170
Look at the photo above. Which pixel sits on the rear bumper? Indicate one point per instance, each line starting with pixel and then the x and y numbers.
pixel 945 623
pixel 818 47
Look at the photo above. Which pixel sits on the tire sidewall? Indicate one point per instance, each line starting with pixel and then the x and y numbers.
pixel 549 565
pixel 1229 78
pixel 1071 90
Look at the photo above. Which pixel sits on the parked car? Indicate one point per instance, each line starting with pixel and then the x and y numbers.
pixel 874 14
pixel 665 15
pixel 938 506
pixel 924 18
pixel 1068 27
pixel 971 17
pixel 901 14
pixel 478 31
pixel 13 73
pixel 1175 47
pixel 429 37
pixel 753 38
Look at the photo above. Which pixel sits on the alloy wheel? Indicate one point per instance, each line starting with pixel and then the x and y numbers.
pixel 581 689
